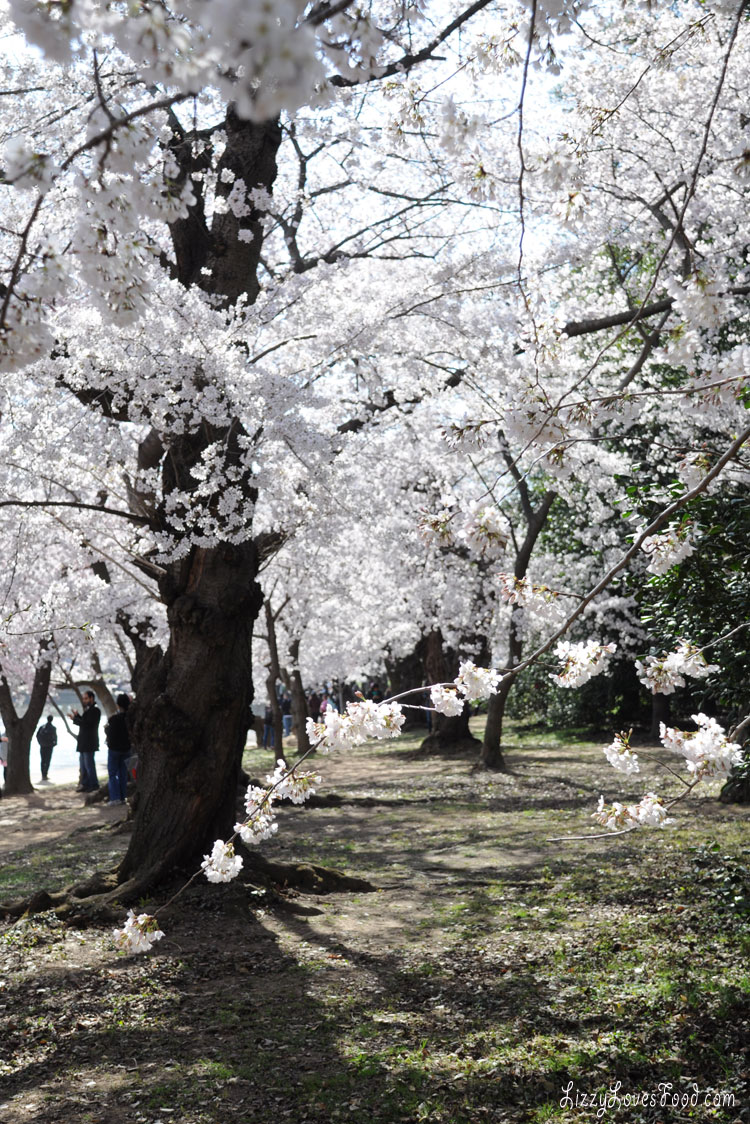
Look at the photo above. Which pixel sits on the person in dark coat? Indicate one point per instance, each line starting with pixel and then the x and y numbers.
pixel 46 735
pixel 313 706
pixel 88 740
pixel 118 745
pixel 286 713
pixel 268 732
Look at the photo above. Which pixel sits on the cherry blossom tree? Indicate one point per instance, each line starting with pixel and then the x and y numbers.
pixel 245 233
pixel 158 280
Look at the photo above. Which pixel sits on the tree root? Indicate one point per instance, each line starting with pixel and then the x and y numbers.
pixel 99 900
pixel 736 790
pixel 438 746
pixel 309 878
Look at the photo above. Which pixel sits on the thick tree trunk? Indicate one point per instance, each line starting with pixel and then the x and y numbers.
pixel 405 674
pixel 20 730
pixel 192 711
pixel 492 753
pixel 659 712
pixel 449 734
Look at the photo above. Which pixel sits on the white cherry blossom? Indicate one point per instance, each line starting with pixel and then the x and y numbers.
pixel 663 674
pixel 446 700
pixel 476 682
pixel 707 752
pixel 292 785
pixel 581 661
pixel 139 933
pixel 222 865
pixel 620 755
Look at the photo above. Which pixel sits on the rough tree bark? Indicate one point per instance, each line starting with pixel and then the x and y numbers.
pixel 20 728
pixel 405 673
pixel 450 734
pixel 299 700
pixel 193 712
pixel 274 677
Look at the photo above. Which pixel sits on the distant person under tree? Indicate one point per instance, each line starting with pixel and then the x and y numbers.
pixel 46 735
pixel 88 740
pixel 118 743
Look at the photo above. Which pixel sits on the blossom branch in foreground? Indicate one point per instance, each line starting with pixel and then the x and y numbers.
pixel 706 752
pixel 581 661
pixel 360 722
pixel 662 674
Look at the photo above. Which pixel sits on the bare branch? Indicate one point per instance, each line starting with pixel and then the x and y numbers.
pixel 79 505
pixel 409 60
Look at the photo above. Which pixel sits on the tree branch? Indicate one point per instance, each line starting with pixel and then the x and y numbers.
pixel 78 504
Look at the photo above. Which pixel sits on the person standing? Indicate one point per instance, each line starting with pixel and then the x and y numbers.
pixel 46 735
pixel 118 745
pixel 268 737
pixel 313 706
pixel 88 740
pixel 286 713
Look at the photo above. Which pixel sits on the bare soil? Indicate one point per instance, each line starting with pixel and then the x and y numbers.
pixel 49 814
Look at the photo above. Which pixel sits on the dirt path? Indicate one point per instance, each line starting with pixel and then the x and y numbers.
pixel 49 814
pixel 490 967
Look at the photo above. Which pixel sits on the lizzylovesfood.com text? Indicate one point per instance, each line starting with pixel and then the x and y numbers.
pixel 665 1095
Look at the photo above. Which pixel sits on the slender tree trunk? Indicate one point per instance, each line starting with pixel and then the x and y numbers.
pixel 274 676
pixel 299 701
pixel 20 730
pixel 492 754
pixel 278 718
pixel 450 734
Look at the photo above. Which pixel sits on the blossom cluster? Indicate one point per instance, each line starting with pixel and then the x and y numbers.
pixel 648 812
pixel 707 752
pixel 471 683
pixel 480 527
pixel 521 591
pixel 259 822
pixel 620 755
pixel 667 549
pixel 476 682
pixel 222 865
pixel 447 700
pixel 581 661
pixel 544 603
pixel 485 530
pixel 138 933
pixel 289 784
pixel 662 674
pixel 359 722
pixel 283 784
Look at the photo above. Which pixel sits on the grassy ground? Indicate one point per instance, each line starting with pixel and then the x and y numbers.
pixel 494 975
